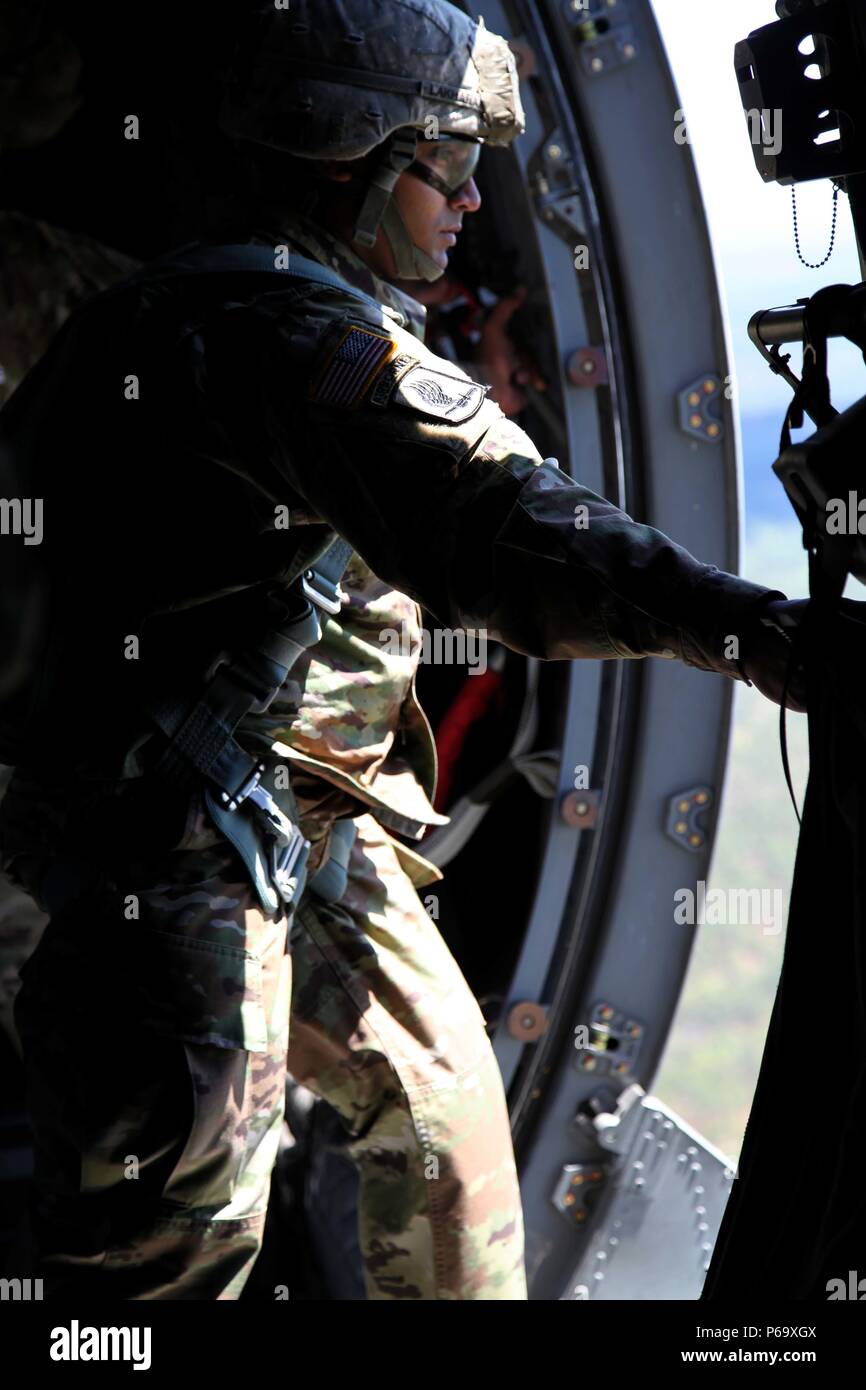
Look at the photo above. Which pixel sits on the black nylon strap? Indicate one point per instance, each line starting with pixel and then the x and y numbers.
pixel 198 259
pixel 332 565
pixel 200 732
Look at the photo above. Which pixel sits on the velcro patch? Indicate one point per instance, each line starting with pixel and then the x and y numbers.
pixel 429 391
pixel 387 379
pixel 352 367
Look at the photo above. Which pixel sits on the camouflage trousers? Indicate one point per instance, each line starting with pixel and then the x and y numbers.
pixel 158 1017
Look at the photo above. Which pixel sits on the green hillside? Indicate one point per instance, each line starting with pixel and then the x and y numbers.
pixel 711 1064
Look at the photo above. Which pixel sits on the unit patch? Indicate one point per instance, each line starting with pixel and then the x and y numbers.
pixel 352 367
pixel 366 366
pixel 429 391
pixel 387 379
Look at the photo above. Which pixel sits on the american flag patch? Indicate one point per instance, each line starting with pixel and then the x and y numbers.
pixel 352 367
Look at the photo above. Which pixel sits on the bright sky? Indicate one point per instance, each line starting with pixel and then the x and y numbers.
pixel 751 222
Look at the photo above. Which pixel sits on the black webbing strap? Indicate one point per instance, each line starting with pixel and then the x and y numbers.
pixel 200 732
pixel 201 744
pixel 196 258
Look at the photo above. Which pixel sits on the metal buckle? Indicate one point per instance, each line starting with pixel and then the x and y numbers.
pixel 234 800
pixel 287 866
pixel 288 852
pixel 272 847
pixel 278 824
pixel 329 596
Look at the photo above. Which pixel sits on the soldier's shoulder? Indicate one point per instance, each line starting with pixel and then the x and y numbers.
pixel 367 367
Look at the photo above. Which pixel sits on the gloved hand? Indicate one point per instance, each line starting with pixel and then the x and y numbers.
pixel 766 652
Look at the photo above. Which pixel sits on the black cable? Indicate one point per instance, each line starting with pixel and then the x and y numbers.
pixel 783 731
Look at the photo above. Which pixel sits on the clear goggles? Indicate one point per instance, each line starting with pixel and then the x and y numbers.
pixel 449 164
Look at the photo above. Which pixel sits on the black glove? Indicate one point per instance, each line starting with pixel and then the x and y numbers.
pixel 767 652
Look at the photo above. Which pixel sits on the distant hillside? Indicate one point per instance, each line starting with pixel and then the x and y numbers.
pixel 764 497
pixel 709 1070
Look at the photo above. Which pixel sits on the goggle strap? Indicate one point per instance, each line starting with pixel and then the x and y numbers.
pixel 423 171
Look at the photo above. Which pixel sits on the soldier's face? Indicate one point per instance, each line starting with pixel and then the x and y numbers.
pixel 432 220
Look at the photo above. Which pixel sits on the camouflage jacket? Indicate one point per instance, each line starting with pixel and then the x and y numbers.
pixel 173 419
pixel 360 725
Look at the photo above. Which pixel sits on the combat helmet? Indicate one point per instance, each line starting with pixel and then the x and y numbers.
pixel 336 79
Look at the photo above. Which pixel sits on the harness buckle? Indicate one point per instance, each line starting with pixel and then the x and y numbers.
pixel 289 847
pixel 234 799
pixel 328 595
pixel 287 865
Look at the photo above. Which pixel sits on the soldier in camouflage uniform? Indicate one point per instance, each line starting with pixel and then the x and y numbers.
pixel 156 1131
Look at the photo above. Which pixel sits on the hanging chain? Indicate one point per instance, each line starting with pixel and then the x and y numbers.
pixel 816 265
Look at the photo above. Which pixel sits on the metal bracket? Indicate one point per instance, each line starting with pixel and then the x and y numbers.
pixel 552 177
pixel 604 35
pixel 666 1190
pixel 694 409
pixel 614 1043
pixel 577 1189
pixel 682 819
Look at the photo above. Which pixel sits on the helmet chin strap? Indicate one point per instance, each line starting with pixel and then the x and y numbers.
pixel 379 209
pixel 412 263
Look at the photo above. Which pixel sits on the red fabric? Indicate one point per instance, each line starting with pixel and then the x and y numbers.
pixel 469 705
